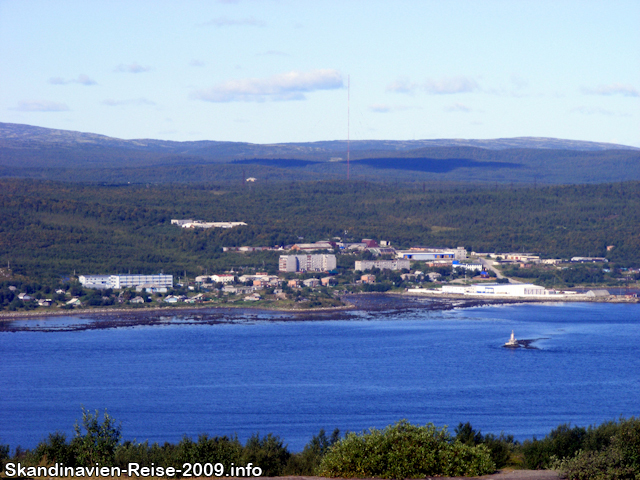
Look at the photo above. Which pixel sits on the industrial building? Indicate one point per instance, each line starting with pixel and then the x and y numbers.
pixel 363 265
pixel 502 289
pixel 307 263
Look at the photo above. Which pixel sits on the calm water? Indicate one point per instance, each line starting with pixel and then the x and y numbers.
pixel 294 378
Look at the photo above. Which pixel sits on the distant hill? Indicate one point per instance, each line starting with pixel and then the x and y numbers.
pixel 36 152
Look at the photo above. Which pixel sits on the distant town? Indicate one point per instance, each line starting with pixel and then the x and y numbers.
pixel 313 275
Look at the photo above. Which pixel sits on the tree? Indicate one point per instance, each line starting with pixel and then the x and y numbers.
pixel 98 443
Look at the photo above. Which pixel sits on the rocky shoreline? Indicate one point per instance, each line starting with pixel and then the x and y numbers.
pixel 208 314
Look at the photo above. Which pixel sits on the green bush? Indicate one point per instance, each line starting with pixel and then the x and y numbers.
pixel 562 442
pixel 99 441
pixel 54 449
pixel 500 448
pixel 268 453
pixel 404 451
pixel 619 460
pixel 308 461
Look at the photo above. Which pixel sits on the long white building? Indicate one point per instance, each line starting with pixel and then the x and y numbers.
pixel 125 281
pixel 501 289
pixel 428 254
pixel 307 263
pixel 399 264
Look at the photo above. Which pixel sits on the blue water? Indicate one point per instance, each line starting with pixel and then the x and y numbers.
pixel 294 378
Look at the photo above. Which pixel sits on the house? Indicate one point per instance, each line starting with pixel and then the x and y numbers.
pixel 45 302
pixel 294 283
pixel 137 299
pixel 254 297
pixel 326 281
pixel 239 290
pixel 61 292
pixel 75 302
pixel 171 299
pixel 311 282
pixel 147 287
pixel 223 278
pixel 25 297
pixel 368 279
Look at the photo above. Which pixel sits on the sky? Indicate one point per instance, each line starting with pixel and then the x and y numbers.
pixel 272 71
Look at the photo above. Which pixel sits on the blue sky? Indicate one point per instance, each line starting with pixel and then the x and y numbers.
pixel 267 71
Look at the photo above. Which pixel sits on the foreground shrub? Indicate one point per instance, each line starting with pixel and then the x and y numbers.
pixel 620 460
pixel 54 449
pixel 404 451
pixel 500 447
pixel 98 442
pixel 308 461
pixel 268 453
pixel 562 442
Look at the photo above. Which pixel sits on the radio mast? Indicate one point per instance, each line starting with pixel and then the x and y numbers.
pixel 348 123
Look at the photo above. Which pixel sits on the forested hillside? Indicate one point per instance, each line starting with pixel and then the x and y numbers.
pixel 46 154
pixel 50 230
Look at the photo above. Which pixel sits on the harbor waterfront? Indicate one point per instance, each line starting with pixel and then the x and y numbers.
pixel 242 372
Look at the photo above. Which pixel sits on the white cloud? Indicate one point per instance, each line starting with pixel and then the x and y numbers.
pixel 380 108
pixel 383 108
pixel 286 86
pixel 402 85
pixel 82 79
pixel 443 86
pixel 131 68
pixel 446 86
pixel 233 22
pixel 134 101
pixel 277 53
pixel 597 111
pixel 519 82
pixel 625 90
pixel 41 106
pixel 458 107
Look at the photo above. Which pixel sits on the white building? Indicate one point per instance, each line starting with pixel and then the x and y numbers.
pixel 468 266
pixel 428 254
pixel 223 278
pixel 364 265
pixel 200 224
pixel 509 289
pixel 501 289
pixel 125 281
pixel 307 263
pixel 95 281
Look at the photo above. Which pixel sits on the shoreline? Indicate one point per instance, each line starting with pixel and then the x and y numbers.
pixel 212 314
pixel 579 298
pixel 35 314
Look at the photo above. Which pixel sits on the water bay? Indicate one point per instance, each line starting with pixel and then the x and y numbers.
pixel 255 372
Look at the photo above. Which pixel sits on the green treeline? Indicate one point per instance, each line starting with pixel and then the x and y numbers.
pixel 608 451
pixel 48 230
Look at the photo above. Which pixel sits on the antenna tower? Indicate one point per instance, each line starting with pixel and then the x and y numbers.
pixel 348 123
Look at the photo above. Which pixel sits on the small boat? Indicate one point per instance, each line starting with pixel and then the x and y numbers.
pixel 512 343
